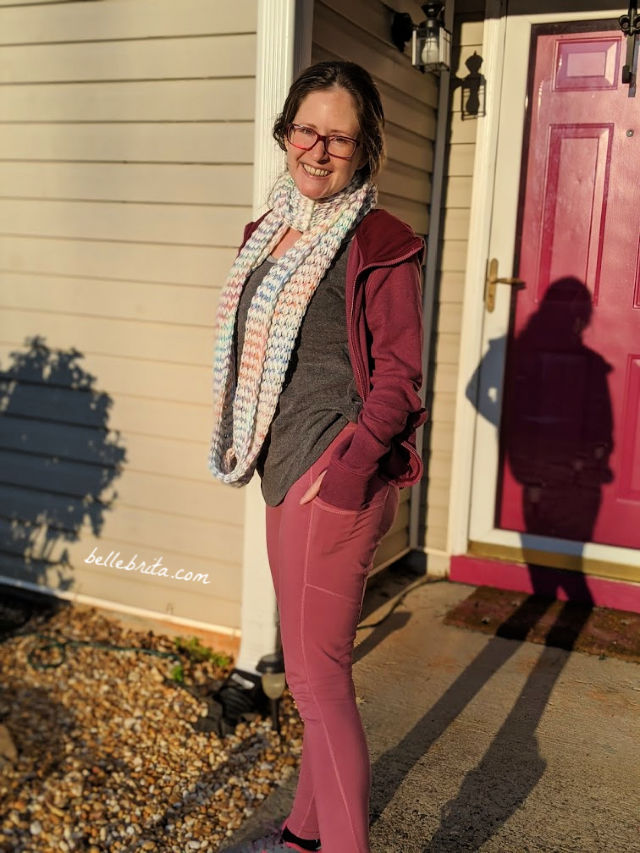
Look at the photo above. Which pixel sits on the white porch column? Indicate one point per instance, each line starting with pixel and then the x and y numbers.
pixel 283 49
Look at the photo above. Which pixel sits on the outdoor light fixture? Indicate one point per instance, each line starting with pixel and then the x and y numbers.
pixel 240 698
pixel 243 696
pixel 630 26
pixel 273 683
pixel 430 41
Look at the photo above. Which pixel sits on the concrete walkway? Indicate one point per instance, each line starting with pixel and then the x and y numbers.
pixel 482 743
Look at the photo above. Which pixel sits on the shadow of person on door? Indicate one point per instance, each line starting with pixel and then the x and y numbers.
pixel 557 436
pixel 557 422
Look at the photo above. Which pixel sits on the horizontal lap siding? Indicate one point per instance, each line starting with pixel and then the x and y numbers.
pixel 126 158
pixel 468 33
pixel 359 31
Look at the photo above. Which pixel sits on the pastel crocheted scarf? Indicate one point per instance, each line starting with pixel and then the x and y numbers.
pixel 244 405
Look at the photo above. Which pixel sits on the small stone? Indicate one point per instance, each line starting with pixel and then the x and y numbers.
pixel 7 746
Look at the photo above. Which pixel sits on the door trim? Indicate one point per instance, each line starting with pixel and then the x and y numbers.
pixel 473 314
pixel 484 169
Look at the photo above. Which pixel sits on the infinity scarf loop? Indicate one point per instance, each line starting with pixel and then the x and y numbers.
pixel 244 405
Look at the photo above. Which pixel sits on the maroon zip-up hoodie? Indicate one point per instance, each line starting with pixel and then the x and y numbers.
pixel 384 324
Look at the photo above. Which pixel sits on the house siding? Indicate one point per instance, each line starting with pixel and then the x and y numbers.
pixel 126 176
pixel 467 38
pixel 359 31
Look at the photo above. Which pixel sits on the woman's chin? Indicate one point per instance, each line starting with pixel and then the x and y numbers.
pixel 314 188
pixel 314 191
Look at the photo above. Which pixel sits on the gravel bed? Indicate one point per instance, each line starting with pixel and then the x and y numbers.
pixel 100 753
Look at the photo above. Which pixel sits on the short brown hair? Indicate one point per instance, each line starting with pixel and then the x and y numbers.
pixel 359 83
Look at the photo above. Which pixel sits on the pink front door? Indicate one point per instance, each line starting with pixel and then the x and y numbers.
pixel 570 435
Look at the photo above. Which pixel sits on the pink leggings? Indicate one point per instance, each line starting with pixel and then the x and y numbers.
pixel 320 556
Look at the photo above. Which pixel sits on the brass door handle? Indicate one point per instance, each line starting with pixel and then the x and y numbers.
pixel 492 280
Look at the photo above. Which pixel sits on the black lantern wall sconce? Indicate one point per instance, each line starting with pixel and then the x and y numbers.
pixel 430 40
pixel 431 51
pixel 630 26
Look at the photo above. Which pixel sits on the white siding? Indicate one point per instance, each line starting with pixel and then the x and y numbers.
pixel 125 179
pixel 359 30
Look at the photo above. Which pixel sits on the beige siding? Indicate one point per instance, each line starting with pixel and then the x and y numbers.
pixel 359 30
pixel 125 179
pixel 467 37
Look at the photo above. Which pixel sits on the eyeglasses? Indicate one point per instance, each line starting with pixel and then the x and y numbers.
pixel 301 136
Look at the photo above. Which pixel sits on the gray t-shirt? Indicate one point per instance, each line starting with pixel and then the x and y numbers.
pixel 319 395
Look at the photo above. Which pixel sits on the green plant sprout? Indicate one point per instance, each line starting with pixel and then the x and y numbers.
pixel 197 652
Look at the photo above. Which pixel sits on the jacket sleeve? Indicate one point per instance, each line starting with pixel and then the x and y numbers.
pixel 393 311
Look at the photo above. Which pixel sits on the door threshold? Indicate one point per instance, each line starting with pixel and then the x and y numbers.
pixel 556 559
pixel 536 579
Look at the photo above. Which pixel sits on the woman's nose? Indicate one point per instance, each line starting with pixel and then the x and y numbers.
pixel 319 152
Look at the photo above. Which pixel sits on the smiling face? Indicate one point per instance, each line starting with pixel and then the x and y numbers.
pixel 317 174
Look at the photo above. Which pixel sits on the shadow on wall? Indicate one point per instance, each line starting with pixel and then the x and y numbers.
pixel 58 462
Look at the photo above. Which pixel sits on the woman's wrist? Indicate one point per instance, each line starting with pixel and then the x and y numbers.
pixel 344 488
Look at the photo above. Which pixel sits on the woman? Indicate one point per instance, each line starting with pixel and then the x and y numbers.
pixel 317 370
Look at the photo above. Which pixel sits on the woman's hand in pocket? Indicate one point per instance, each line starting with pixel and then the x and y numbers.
pixel 313 489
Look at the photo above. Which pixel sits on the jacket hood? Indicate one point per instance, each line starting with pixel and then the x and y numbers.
pixel 384 239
